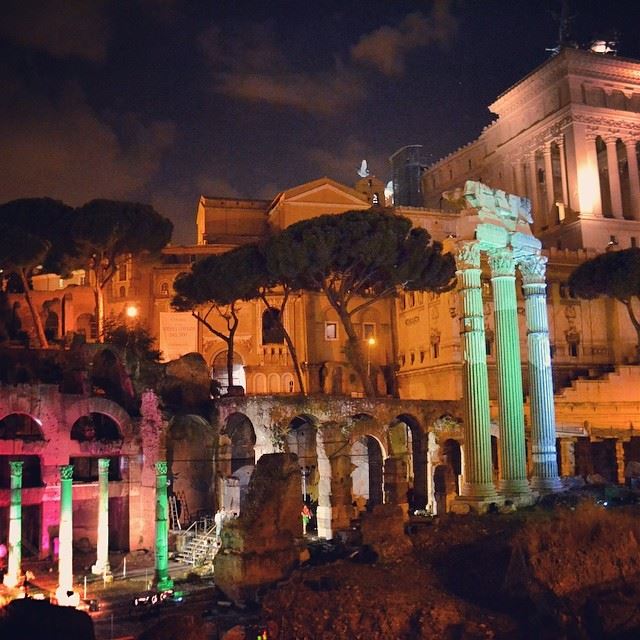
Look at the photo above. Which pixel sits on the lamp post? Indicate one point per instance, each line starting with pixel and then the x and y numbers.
pixel 370 342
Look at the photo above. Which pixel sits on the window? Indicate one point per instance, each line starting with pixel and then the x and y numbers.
pixel 86 469
pixel 164 289
pixel 368 330
pixel 122 272
pixel 412 357
pixel 422 355
pixel 375 199
pixel 330 330
pixel 573 349
pixel 487 346
pixel 435 349
pixel 272 332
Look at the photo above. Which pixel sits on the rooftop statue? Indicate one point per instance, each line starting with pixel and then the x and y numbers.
pixel 363 172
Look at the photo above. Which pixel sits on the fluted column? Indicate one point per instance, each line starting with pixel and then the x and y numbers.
pixel 614 178
pixel 162 579
pixel 513 471
pixel 634 179
pixel 543 427
pixel 102 561
pixel 64 592
pixel 14 568
pixel 478 475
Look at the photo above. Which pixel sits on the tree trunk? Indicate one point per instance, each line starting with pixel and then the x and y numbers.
pixel 356 355
pixel 37 320
pixel 290 345
pixel 636 325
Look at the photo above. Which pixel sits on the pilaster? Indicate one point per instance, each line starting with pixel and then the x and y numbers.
pixel 634 178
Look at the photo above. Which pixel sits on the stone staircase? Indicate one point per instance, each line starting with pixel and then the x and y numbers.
pixel 200 544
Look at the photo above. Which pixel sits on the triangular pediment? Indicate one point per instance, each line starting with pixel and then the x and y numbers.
pixel 324 191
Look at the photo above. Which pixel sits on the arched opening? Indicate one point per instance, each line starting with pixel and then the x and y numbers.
pixel 603 453
pixel 416 461
pixel 95 427
pixel 20 426
pixel 452 457
pixel 272 332
pixel 52 326
pixel 367 476
pixel 86 326
pixel 260 383
pixel 274 383
pixel 301 440
pixel 240 461
pixel 219 371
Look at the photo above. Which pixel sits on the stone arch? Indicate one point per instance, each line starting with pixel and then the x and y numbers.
pixel 274 383
pixel 367 477
pixel 288 385
pixel 416 460
pixel 260 383
pixel 237 460
pixel 20 426
pixel 301 440
pixel 52 325
pixel 102 406
pixel 95 427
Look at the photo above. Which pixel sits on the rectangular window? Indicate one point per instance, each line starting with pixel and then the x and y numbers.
pixel 435 350
pixel 330 330
pixel 85 469
pixel 122 272
pixel 368 330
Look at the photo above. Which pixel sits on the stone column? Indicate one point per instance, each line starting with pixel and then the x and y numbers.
pixel 513 480
pixel 478 490
pixel 582 170
pixel 543 427
pixel 395 483
pixel 568 457
pixel 634 178
pixel 162 580
pixel 563 170
pixel 548 182
pixel 14 568
pixel 614 178
pixel 620 460
pixel 64 593
pixel 102 561
pixel 334 487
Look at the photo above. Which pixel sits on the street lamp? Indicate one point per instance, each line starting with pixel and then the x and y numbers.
pixel 131 311
pixel 370 342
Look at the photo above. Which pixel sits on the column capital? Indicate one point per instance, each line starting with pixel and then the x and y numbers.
pixel 16 467
pixel 630 142
pixel 533 269
pixel 468 255
pixel 502 263
pixel 66 472
pixel 103 464
pixel 161 468
pixel 610 140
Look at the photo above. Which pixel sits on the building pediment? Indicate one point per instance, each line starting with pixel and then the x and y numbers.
pixel 324 191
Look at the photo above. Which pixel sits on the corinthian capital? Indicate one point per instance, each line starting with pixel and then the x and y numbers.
pixel 468 255
pixel 161 468
pixel 533 269
pixel 66 472
pixel 502 263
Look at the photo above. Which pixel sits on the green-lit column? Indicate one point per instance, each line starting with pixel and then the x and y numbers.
pixel 162 529
pixel 478 486
pixel 513 471
pixel 14 569
pixel 64 593
pixel 543 420
pixel 101 567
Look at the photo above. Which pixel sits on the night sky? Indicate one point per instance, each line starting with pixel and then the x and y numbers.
pixel 163 100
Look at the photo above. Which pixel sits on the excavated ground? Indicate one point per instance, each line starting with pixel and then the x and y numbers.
pixel 561 572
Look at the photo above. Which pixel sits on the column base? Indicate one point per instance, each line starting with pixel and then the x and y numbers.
pixel 10 581
pixel 546 485
pixel 67 597
pixel 513 489
pixel 164 584
pixel 101 568
pixel 464 505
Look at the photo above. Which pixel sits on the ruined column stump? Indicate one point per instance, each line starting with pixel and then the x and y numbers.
pixel 383 531
pixel 258 548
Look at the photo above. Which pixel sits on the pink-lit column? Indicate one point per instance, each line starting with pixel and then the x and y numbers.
pixel 634 179
pixel 101 567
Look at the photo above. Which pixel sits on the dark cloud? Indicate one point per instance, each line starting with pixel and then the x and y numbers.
pixel 60 28
pixel 386 48
pixel 60 147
